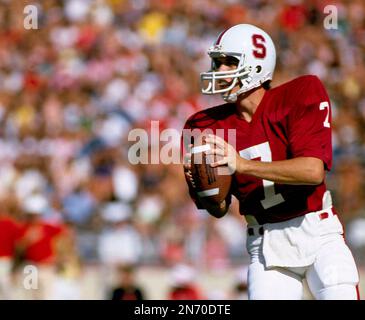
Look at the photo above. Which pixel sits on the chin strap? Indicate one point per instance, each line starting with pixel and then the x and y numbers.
pixel 231 98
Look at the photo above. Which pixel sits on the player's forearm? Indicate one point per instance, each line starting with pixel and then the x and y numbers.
pixel 298 171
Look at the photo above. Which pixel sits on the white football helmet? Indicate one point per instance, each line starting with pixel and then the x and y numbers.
pixel 256 54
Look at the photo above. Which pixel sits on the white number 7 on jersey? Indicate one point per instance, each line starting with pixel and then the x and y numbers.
pixel 323 105
pixel 263 151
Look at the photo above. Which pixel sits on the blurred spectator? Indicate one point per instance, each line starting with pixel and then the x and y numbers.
pixel 183 284
pixel 127 289
pixel 356 237
pixel 9 233
pixel 41 244
pixel 126 183
pixel 240 285
pixel 120 243
pixel 78 206
pixel 216 251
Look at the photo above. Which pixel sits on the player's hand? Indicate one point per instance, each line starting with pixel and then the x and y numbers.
pixel 227 153
pixel 187 166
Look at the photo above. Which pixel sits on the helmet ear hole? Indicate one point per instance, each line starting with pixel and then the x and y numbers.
pixel 258 69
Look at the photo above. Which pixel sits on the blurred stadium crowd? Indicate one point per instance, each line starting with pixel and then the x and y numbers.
pixel 71 91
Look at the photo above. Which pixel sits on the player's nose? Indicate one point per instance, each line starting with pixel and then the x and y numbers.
pixel 224 68
pixel 224 82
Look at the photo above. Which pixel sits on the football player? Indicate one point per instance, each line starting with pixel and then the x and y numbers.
pixel 283 149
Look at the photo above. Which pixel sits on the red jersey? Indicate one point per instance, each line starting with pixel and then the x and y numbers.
pixel 292 120
pixel 9 232
pixel 188 292
pixel 39 241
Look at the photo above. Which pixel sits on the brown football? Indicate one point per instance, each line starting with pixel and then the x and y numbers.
pixel 210 183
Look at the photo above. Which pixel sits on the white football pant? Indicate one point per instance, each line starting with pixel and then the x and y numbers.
pixel 332 276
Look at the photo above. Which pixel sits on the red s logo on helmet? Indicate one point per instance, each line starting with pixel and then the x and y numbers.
pixel 258 41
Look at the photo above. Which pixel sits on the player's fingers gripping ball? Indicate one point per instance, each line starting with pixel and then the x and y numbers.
pixel 211 182
pixel 221 153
